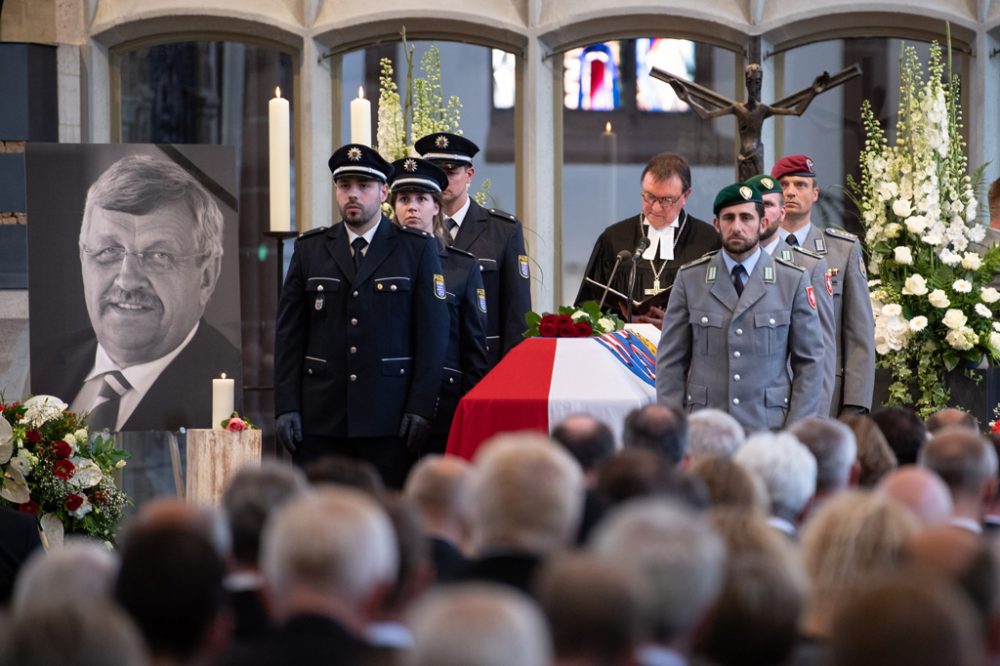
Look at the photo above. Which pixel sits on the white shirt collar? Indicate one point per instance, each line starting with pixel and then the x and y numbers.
pixel 368 235
pixel 661 241
pixel 658 655
pixel 781 525
pixel 966 524
pixel 459 215
pixel 771 244
pixel 800 234
pixel 141 377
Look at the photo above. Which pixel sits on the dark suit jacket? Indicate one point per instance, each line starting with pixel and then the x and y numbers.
pixel 497 239
pixel 448 560
pixel 180 397
pixel 18 540
pixel 353 353
pixel 304 640
pixel 694 240
pixel 514 569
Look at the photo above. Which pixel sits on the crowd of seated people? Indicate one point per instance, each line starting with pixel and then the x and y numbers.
pixel 866 541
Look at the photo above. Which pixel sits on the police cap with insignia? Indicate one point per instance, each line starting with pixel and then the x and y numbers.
pixel 764 184
pixel 359 161
pixel 794 165
pixel 447 148
pixel 735 194
pixel 413 173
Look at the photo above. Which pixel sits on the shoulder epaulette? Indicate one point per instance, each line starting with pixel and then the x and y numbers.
pixel 312 232
pixel 455 250
pixel 808 253
pixel 414 231
pixel 789 264
pixel 503 215
pixel 700 260
pixel 841 234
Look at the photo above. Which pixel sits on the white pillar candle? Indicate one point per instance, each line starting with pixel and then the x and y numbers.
pixel 279 156
pixel 361 119
pixel 222 400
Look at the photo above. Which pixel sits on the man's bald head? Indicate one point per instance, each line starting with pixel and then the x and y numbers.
pixel 950 416
pixel 923 492
pixel 438 487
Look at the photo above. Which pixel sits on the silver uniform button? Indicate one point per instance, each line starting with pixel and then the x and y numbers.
pixel 736 354
pixel 739 331
pixel 736 378
pixel 689 395
pixel 355 294
pixel 736 401
pixel 354 322
pixel 392 287
pixel 319 288
pixel 786 401
pixel 402 371
pixel 354 350
pixel 704 320
pixel 309 371
pixel 771 321
pixel 451 380
pixel 354 378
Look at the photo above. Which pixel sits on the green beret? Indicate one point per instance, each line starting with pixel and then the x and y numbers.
pixel 764 184
pixel 735 194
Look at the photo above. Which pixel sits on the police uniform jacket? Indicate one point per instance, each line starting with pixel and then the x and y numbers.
pixel 732 352
pixel 354 352
pixel 465 358
pixel 695 239
pixel 817 269
pixel 497 239
pixel 855 325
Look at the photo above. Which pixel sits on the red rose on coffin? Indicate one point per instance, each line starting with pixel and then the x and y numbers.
pixel 567 330
pixel 236 424
pixel 547 327
pixel 73 502
pixel 33 437
pixel 62 449
pixel 583 329
pixel 564 319
pixel 996 427
pixel 63 469
pixel 31 506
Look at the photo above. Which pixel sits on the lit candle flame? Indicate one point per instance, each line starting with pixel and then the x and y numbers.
pixel 224 374
pixel 277 91
pixel 361 92
pixel 607 127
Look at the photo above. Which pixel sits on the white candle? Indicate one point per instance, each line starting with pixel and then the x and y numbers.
pixel 222 400
pixel 361 119
pixel 280 154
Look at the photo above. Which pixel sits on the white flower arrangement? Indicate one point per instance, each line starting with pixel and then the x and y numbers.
pixel 916 197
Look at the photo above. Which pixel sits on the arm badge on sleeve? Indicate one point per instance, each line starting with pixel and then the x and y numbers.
pixel 522 266
pixel 812 297
pixel 481 300
pixel 439 290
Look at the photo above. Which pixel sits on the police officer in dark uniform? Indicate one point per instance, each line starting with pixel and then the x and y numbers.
pixel 415 194
pixel 495 237
pixel 362 329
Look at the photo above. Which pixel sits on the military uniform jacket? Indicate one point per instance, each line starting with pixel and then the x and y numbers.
pixel 497 239
pixel 733 352
pixel 693 241
pixel 465 358
pixel 353 353
pixel 855 326
pixel 817 268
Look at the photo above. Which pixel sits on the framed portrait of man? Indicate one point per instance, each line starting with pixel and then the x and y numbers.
pixel 133 280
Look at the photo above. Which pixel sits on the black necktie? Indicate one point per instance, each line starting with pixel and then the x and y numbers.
pixel 359 244
pixel 792 240
pixel 105 415
pixel 452 226
pixel 738 275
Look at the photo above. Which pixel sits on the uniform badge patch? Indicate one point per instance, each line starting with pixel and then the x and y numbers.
pixel 522 266
pixel 786 255
pixel 319 303
pixel 710 275
pixel 481 300
pixel 441 141
pixel 746 193
pixel 410 165
pixel 829 283
pixel 439 289
pixel 820 246
pixel 354 154
pixel 812 297
pixel 768 273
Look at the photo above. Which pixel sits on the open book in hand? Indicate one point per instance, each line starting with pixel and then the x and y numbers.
pixel 616 300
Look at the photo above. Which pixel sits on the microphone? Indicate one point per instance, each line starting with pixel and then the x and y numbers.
pixel 624 255
pixel 636 256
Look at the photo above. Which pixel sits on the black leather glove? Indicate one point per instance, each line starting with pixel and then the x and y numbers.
pixel 289 430
pixel 415 429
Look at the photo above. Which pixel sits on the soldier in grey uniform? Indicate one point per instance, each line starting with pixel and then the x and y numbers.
pixel 772 243
pixel 737 320
pixel 855 324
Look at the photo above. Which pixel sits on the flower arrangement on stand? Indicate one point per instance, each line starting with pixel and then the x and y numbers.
pixel 569 322
pixel 236 423
pixel 55 469
pixel 934 310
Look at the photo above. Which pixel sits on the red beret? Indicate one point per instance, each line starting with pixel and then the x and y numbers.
pixel 793 165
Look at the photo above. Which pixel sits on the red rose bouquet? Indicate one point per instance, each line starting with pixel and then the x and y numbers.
pixel 54 469
pixel 568 322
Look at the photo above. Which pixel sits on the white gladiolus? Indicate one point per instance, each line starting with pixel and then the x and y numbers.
pixel 938 299
pixel 902 208
pixel 916 224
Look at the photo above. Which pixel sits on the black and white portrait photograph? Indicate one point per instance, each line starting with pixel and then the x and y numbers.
pixel 133 281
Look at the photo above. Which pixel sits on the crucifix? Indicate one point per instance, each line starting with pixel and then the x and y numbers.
pixel 750 115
